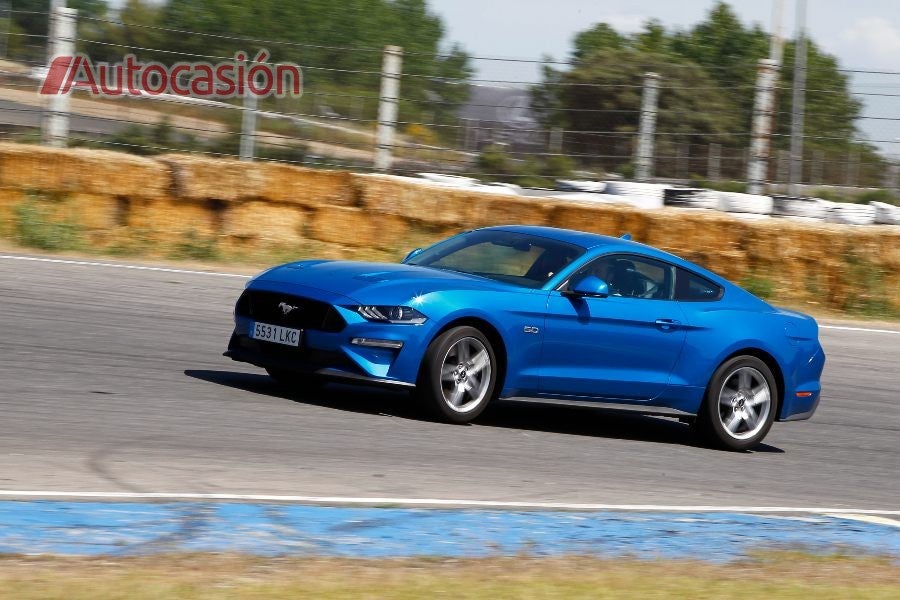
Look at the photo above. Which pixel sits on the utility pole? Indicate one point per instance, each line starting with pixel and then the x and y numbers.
pixel 799 101
pixel 764 106
pixel 61 42
pixel 644 153
pixel 391 71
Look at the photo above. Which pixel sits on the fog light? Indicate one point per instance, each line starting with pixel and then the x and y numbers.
pixel 373 343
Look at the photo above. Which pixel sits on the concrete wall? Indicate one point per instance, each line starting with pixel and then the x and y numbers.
pixel 123 203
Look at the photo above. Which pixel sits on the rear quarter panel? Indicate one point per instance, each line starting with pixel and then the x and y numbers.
pixel 719 330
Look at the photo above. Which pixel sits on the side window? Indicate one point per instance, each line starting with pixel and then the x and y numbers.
pixel 693 288
pixel 632 276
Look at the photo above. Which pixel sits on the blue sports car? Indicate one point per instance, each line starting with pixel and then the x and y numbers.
pixel 541 315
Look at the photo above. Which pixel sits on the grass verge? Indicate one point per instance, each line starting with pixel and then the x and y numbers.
pixel 201 577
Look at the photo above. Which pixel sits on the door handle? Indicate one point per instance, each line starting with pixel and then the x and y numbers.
pixel 667 324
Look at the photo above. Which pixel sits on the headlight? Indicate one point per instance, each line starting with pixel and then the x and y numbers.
pixel 392 314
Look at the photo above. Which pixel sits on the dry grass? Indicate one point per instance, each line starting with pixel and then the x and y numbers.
pixel 197 577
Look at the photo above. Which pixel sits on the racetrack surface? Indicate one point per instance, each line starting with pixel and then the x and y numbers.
pixel 113 380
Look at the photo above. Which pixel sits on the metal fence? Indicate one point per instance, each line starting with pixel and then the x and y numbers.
pixel 343 120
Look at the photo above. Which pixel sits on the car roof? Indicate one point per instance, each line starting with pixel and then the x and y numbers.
pixel 569 236
pixel 596 243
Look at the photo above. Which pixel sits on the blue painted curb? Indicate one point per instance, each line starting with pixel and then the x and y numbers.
pixel 98 528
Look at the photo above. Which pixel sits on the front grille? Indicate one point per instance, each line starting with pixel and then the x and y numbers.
pixel 306 314
pixel 303 358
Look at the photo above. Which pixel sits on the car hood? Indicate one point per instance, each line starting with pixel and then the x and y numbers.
pixel 374 282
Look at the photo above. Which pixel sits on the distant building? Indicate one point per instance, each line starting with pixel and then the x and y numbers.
pixel 499 115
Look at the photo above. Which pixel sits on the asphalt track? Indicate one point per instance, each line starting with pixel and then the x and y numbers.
pixel 112 380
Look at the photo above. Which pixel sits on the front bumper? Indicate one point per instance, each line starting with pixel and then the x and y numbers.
pixel 327 365
pixel 343 355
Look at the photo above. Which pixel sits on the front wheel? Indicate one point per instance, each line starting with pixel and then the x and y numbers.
pixel 739 408
pixel 458 375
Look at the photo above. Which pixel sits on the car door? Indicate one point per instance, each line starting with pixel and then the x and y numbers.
pixel 623 346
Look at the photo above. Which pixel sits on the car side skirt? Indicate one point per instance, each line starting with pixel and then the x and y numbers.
pixel 661 411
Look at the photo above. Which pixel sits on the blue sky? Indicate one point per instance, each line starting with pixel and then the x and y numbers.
pixel 863 34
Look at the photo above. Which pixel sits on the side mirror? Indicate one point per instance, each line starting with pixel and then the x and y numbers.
pixel 590 287
pixel 412 254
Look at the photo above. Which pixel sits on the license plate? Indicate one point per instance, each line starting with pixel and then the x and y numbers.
pixel 276 334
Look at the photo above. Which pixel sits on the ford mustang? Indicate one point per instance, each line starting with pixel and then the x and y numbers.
pixel 538 314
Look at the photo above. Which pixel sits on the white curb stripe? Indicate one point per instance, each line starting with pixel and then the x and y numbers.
pixel 863 329
pixel 866 519
pixel 87 263
pixel 436 502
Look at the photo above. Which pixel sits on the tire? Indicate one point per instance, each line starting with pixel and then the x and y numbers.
pixel 740 404
pixel 458 375
pixel 295 382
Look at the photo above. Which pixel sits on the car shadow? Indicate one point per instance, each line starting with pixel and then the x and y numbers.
pixel 584 421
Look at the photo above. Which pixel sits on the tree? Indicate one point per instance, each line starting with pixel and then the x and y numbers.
pixel 707 90
pixel 603 92
pixel 599 37
pixel 31 23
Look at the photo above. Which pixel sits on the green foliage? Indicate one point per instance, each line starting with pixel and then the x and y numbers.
pixel 836 195
pixel 707 90
pixel 886 196
pixel 148 140
pixel 600 36
pixel 602 93
pixel 868 296
pixel 722 186
pixel 493 160
pixel 497 165
pixel 30 18
pixel 338 45
pixel 36 227
pixel 196 247
pixel 759 286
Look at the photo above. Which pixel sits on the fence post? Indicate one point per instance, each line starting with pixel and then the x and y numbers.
pixel 644 154
pixel 763 108
pixel 784 167
pixel 6 19
pixel 817 167
pixel 799 102
pixel 387 106
pixel 853 169
pixel 714 167
pixel 556 141
pixel 682 160
pixel 55 122
pixel 248 125
pixel 891 175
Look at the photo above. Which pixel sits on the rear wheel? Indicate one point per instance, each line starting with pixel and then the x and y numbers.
pixel 295 382
pixel 739 408
pixel 458 375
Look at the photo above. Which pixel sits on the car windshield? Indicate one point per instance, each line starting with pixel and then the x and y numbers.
pixel 511 257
